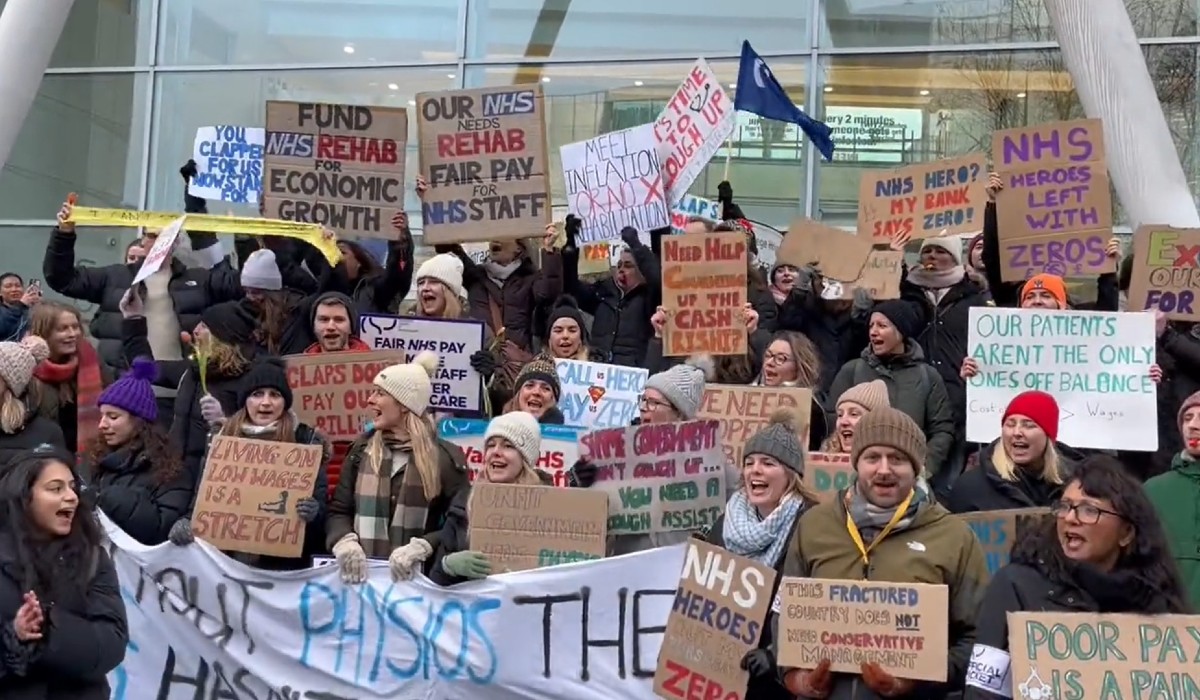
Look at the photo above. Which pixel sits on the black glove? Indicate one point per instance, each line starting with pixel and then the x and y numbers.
pixel 724 192
pixel 806 278
pixel 574 223
pixel 484 363
pixel 629 235
pixel 188 171
pixel 760 663
pixel 583 474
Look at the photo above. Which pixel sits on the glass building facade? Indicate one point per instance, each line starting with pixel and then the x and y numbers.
pixel 899 81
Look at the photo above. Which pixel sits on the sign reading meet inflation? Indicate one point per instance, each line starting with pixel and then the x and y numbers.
pixel 1096 364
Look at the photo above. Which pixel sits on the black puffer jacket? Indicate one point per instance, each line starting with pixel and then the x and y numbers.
pixel 621 327
pixel 140 501
pixel 837 333
pixel 514 303
pixel 38 430
pixel 85 635
pixel 982 489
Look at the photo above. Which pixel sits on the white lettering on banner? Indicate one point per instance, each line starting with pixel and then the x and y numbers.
pixel 1096 364
pixel 229 163
pixel 696 121
pixel 203 625
pixel 596 395
pixel 456 387
pixel 560 446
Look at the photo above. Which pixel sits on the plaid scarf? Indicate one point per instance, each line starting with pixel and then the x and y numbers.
pixel 84 370
pixel 384 523
pixel 761 539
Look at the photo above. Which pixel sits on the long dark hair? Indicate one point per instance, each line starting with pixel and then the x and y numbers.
pixel 150 443
pixel 49 566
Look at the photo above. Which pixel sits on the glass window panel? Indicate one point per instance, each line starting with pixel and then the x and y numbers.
pixel 528 29
pixel 83 135
pixel 1174 72
pixel 104 33
pixel 586 100
pixel 246 32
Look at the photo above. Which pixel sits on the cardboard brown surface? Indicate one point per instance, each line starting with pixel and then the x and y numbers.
pixel 330 390
pixel 835 253
pixel 1055 211
pixel 341 166
pixel 703 290
pixel 701 651
pixel 900 626
pixel 523 527
pixel 1166 272
pixel 923 200
pixel 744 410
pixel 827 473
pixel 880 276
pixel 663 477
pixel 999 531
pixel 247 497
pixel 1088 655
pixel 483 153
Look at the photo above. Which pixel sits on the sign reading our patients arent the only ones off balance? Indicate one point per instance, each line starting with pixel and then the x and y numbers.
pixel 483 152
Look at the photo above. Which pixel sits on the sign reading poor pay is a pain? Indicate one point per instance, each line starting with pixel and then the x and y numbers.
pixel 457 387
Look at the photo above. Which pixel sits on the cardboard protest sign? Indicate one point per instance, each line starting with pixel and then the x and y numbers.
pixel 229 163
pixel 999 530
pixel 720 608
pixel 341 166
pixel 483 152
pixel 704 289
pixel 690 207
pixel 247 496
pixel 615 180
pixel 1166 272
pixel 745 410
pixel 924 200
pixel 560 446
pixel 164 243
pixel 837 254
pixel 1055 211
pixel 330 389
pixel 694 124
pixel 880 277
pixel 900 626
pixel 1087 655
pixel 596 395
pixel 827 473
pixel 661 477
pixel 457 388
pixel 527 527
pixel 1096 364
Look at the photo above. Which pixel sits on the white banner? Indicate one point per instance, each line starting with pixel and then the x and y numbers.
pixel 596 395
pixel 1096 364
pixel 560 445
pixel 229 163
pixel 694 124
pixel 456 387
pixel 204 626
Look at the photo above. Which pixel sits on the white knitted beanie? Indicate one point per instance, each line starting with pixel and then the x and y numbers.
pixel 522 431
pixel 682 385
pixel 951 244
pixel 261 271
pixel 410 384
pixel 17 361
pixel 447 269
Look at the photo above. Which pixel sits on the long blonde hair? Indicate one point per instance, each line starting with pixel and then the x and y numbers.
pixel 13 411
pixel 422 440
pixel 526 477
pixel 1051 463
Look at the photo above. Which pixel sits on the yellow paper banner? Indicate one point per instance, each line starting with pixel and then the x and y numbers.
pixel 250 226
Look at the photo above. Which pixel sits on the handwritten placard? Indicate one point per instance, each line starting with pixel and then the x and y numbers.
pixel 704 288
pixel 660 478
pixel 483 152
pixel 164 243
pixel 457 387
pixel 694 208
pixel 1055 211
pixel 229 163
pixel 247 497
pixel 827 473
pixel 923 200
pixel 1000 530
pixel 598 395
pixel 696 121
pixel 560 446
pixel 330 390
pixel 527 527
pixel 341 166
pixel 836 253
pixel 615 180
pixel 880 277
pixel 900 626
pixel 720 608
pixel 1166 272
pixel 745 410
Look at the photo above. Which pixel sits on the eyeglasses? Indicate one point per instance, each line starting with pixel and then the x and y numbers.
pixel 1087 513
pixel 776 358
pixel 647 404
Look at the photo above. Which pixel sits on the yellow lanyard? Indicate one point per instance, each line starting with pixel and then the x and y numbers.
pixel 865 550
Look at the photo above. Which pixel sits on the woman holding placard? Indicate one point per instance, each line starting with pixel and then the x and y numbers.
pixel 537 392
pixel 1103 552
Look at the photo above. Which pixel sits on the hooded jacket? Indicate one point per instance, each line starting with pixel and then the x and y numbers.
pixel 838 334
pixel 1176 497
pixel 621 328
pixel 951 555
pixel 512 302
pixel 982 489
pixel 131 495
pixel 38 430
pixel 377 289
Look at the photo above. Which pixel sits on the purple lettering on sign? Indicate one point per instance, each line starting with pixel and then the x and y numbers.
pixel 1075 146
pixel 1075 256
pixel 1064 175
pixel 1062 219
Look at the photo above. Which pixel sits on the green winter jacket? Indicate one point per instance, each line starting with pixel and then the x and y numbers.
pixel 1176 497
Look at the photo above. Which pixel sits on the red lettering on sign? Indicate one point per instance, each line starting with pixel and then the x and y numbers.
pixel 356 149
pixel 480 143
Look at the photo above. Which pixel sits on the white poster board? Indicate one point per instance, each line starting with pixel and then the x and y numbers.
pixel 457 388
pixel 160 251
pixel 229 163
pixel 560 446
pixel 1096 364
pixel 694 124
pixel 597 395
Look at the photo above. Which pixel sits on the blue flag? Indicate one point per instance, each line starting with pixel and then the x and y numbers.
pixel 758 92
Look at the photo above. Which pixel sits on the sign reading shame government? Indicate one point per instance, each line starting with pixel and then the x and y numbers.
pixel 341 166
pixel 1166 272
pixel 203 625
pixel 483 153
pixel 229 163
pixel 1096 365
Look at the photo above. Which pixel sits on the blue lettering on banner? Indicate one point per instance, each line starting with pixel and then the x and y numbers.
pixel 229 164
pixel 596 395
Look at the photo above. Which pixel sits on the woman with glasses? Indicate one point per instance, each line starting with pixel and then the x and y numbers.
pixel 791 360
pixel 1176 497
pixel 1104 551
pixel 1025 467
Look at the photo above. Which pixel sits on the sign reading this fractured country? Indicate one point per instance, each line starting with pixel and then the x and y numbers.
pixel 341 166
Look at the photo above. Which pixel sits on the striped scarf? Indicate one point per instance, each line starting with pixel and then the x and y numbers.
pixel 386 518
pixel 83 371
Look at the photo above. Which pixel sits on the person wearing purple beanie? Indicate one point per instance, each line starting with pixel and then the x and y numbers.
pixel 130 469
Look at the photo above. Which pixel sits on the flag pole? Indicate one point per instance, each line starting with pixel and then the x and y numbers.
pixel 728 156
